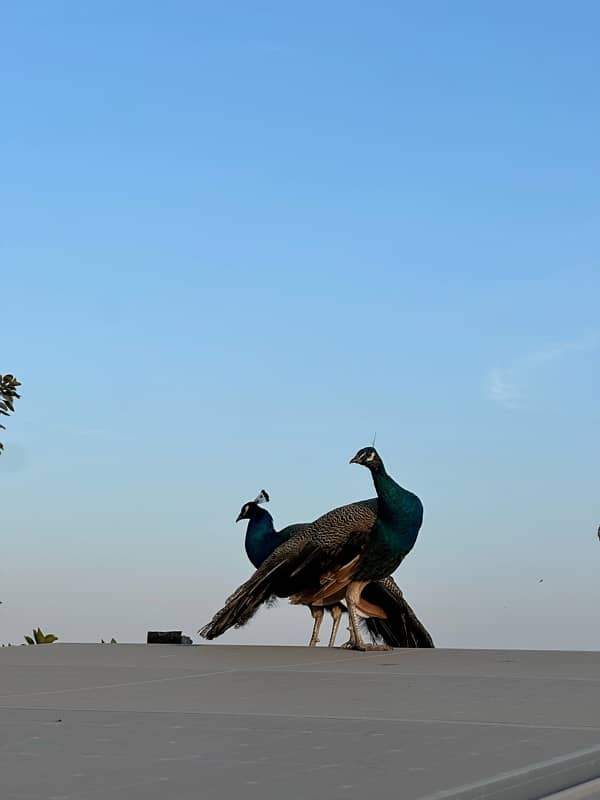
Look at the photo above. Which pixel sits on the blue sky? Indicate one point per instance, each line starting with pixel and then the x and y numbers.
pixel 238 239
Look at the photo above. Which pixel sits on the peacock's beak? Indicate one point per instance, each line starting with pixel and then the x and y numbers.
pixel 239 517
pixel 355 460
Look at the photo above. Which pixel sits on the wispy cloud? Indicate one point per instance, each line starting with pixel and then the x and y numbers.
pixel 503 384
pixel 501 388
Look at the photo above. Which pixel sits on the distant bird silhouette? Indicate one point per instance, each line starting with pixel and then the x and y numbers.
pixel 315 567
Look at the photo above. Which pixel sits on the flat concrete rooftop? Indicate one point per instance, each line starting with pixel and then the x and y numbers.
pixel 81 722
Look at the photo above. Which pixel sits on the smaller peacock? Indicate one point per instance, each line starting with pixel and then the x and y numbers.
pixel 262 539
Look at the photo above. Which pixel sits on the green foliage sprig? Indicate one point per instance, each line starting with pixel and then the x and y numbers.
pixel 41 638
pixel 8 394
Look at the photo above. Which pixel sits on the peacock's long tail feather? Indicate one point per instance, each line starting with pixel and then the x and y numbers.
pixel 243 604
pixel 402 627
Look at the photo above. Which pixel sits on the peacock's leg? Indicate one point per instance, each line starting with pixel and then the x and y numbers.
pixel 336 614
pixel 317 614
pixel 353 593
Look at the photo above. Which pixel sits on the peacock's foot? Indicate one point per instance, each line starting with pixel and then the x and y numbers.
pixel 363 647
pixel 314 642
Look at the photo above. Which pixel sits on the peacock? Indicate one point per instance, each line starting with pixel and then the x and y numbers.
pixel 316 566
pixel 260 541
pixel 399 520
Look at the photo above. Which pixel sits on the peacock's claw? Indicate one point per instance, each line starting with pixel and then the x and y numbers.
pixel 363 647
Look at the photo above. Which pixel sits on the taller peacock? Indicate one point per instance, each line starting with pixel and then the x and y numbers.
pixel 336 559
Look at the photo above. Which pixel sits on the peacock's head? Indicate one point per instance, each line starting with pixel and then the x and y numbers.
pixel 251 509
pixel 368 457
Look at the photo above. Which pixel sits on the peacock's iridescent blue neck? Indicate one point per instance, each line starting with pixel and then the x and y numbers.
pixel 261 537
pixel 400 514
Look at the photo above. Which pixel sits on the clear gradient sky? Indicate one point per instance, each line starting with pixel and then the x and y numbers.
pixel 239 238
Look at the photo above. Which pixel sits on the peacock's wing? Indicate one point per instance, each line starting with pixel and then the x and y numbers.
pixel 292 530
pixel 341 535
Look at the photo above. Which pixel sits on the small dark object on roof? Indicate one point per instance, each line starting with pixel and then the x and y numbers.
pixel 163 637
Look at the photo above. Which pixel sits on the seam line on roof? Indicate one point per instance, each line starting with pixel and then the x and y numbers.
pixel 504 782
pixel 323 717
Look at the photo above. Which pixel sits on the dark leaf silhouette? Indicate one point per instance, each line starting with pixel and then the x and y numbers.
pixel 8 394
